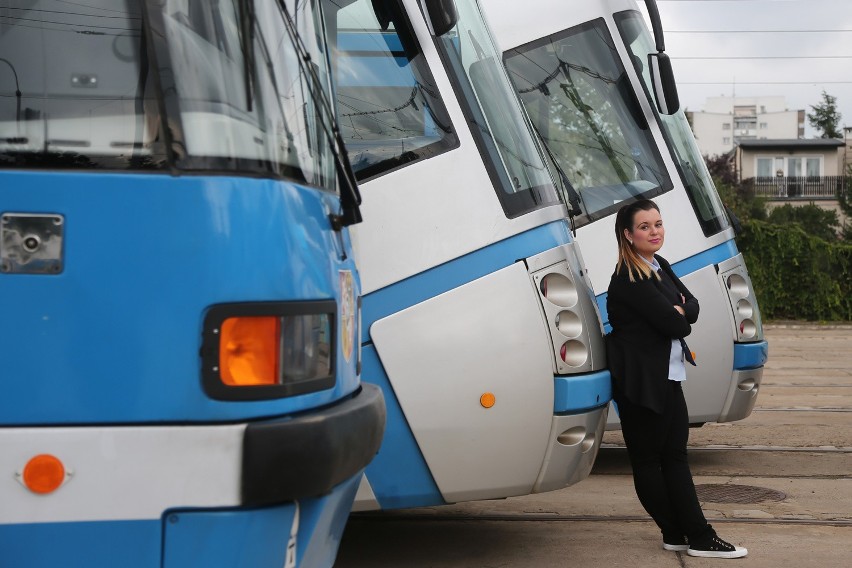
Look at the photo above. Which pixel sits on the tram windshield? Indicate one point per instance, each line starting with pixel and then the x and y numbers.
pixel 391 113
pixel 691 167
pixel 188 84
pixel 584 109
pixel 501 129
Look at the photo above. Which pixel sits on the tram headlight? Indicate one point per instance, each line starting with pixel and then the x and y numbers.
pixel 260 351
pixel 738 287
pixel 748 329
pixel 559 295
pixel 559 289
pixel 574 353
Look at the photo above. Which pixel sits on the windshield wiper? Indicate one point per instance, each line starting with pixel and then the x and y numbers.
pixel 575 205
pixel 350 196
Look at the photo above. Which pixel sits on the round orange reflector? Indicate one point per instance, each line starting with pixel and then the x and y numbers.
pixel 487 400
pixel 44 474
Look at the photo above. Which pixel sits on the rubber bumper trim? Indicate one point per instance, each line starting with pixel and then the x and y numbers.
pixel 307 456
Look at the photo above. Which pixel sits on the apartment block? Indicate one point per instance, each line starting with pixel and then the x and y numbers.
pixel 726 121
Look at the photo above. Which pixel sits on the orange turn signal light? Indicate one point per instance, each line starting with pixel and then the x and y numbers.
pixel 487 400
pixel 44 474
pixel 249 350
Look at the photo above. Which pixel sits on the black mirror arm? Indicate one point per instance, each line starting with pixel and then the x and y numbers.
pixel 656 24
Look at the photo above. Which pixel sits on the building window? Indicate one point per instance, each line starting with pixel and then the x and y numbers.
pixel 812 167
pixel 791 166
pixel 764 167
pixel 726 140
pixel 764 125
pixel 726 126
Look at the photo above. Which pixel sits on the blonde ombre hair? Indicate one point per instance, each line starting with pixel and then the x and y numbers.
pixel 628 258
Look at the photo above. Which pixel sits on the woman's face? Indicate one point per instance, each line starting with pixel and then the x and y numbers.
pixel 648 233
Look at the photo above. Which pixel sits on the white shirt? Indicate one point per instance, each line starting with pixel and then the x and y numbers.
pixel 677 367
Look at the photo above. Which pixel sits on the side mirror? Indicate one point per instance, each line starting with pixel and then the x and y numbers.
pixel 662 79
pixel 442 15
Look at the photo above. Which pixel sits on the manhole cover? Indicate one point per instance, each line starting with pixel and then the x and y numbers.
pixel 721 493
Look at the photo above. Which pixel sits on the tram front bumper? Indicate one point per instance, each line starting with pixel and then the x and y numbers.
pixel 574 443
pixel 749 359
pixel 742 397
pixel 306 456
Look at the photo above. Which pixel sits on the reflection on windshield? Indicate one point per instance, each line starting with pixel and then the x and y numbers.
pixel 243 95
pixel 390 110
pixel 583 108
pixel 75 88
pixel 699 185
pixel 502 130
pixel 78 88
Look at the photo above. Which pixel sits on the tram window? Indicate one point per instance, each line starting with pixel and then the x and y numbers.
pixel 246 101
pixel 500 128
pixel 690 165
pixel 75 87
pixel 389 108
pixel 579 98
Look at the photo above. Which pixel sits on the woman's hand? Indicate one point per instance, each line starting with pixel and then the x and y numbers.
pixel 680 310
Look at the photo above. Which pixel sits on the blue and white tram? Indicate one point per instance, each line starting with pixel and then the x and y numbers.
pixel 479 324
pixel 584 73
pixel 180 305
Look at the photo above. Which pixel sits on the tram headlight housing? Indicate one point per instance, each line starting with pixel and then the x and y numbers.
pixel 268 350
pixel 559 296
pixel 737 284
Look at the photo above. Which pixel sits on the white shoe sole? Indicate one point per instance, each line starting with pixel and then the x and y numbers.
pixel 739 552
pixel 676 547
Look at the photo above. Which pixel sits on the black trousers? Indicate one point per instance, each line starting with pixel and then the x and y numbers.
pixel 656 444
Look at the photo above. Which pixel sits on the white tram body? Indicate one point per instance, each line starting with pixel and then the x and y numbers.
pixel 479 323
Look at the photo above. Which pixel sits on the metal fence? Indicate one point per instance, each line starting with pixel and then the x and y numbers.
pixel 805 187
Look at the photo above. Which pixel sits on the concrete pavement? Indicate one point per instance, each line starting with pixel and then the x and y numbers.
pixel 791 461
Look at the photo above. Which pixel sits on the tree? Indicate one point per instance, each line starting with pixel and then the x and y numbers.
pixel 825 117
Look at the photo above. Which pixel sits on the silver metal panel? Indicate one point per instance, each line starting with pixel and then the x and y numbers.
pixel 743 395
pixel 707 385
pixel 419 217
pixel 31 243
pixel 365 498
pixel 122 473
pixel 443 354
pixel 574 444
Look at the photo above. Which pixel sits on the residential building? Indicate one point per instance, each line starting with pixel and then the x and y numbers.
pixel 797 171
pixel 727 121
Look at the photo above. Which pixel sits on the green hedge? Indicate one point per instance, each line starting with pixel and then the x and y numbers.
pixel 796 275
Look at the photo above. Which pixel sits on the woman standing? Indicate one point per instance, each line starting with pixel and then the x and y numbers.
pixel 650 311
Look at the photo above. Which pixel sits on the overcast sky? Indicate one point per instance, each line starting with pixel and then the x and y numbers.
pixel 800 30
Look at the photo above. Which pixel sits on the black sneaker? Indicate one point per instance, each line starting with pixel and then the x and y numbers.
pixel 715 547
pixel 675 543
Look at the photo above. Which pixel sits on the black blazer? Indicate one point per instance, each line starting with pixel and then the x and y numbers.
pixel 644 323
